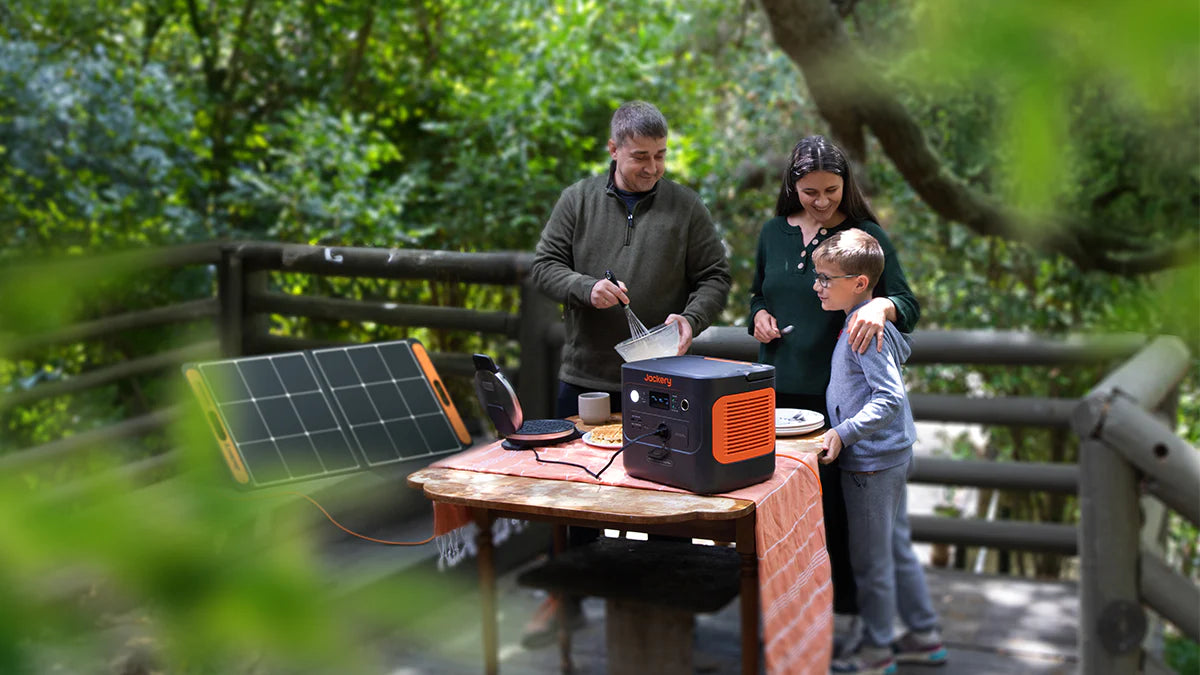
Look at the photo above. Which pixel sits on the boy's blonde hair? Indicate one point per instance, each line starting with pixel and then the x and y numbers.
pixel 854 252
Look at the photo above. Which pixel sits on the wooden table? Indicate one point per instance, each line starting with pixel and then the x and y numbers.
pixel 488 496
pixel 491 496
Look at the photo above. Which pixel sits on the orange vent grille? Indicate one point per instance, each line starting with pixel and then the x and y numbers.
pixel 744 425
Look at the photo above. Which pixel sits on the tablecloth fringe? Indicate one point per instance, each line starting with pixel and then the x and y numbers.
pixel 458 544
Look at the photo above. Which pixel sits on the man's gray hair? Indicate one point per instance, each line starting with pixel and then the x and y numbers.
pixel 637 118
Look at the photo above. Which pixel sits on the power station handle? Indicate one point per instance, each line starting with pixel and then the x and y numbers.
pixel 609 275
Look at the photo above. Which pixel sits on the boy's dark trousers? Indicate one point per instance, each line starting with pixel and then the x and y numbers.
pixel 845 593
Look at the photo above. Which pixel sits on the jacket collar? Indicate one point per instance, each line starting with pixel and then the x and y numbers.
pixel 611 187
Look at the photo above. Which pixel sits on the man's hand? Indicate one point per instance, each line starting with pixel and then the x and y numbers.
pixel 765 328
pixel 685 332
pixel 606 294
pixel 831 447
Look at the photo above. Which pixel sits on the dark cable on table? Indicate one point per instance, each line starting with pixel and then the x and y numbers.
pixel 660 431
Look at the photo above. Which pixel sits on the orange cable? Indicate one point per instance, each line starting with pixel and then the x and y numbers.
pixel 820 490
pixel 339 525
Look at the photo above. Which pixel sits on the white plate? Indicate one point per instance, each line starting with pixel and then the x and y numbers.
pixel 587 438
pixel 795 426
pixel 796 431
pixel 797 417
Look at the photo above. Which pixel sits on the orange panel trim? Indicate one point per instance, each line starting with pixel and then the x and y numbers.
pixel 744 425
pixel 440 393
pixel 213 416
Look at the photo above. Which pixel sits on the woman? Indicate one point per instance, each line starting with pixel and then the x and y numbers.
pixel 819 197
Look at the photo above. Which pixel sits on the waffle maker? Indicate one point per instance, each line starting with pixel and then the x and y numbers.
pixel 500 402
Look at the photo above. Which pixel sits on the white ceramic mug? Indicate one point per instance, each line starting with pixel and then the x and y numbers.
pixel 594 407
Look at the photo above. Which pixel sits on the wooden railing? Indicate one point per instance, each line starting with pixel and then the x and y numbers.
pixel 1131 466
pixel 241 301
pixel 1124 445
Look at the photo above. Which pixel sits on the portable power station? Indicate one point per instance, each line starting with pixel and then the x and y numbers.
pixel 719 417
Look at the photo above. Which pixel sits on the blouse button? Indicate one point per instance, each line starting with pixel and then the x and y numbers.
pixel 824 231
pixel 803 253
pixel 800 266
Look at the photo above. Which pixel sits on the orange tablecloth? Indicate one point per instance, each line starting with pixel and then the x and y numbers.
pixel 796 594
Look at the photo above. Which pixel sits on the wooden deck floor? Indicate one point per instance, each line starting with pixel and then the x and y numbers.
pixel 991 625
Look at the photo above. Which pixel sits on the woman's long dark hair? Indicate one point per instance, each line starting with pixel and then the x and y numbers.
pixel 816 153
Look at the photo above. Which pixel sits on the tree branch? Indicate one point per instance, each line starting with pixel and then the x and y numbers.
pixel 1175 254
pixel 852 97
pixel 358 56
pixel 205 40
pixel 239 40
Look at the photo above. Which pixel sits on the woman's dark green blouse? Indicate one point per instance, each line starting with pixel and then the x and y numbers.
pixel 783 285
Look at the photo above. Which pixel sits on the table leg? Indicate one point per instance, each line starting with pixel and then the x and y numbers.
pixel 487 589
pixel 748 550
pixel 564 633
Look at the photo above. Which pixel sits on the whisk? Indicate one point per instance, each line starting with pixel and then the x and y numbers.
pixel 636 329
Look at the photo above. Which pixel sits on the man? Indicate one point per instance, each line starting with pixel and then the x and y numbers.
pixel 658 239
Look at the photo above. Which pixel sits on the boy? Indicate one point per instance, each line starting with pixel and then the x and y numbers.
pixel 872 428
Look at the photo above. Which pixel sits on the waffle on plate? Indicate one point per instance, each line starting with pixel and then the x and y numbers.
pixel 607 433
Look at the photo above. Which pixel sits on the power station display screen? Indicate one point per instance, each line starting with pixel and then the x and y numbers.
pixel 659 399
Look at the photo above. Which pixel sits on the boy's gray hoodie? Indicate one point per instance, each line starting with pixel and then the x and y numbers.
pixel 868 405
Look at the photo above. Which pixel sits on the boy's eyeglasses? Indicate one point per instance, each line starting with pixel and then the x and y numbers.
pixel 824 279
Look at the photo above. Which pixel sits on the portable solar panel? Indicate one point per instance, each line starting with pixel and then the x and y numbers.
pixel 317 413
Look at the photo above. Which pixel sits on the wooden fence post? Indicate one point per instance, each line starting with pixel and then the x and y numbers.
pixel 232 297
pixel 255 325
pixel 537 383
pixel 239 329
pixel 1112 622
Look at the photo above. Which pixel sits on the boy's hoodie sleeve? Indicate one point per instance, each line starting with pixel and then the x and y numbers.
pixel 882 373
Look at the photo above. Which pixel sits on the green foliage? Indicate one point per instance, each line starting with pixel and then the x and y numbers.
pixel 185 570
pixel 313 182
pixel 1182 654
pixel 1041 56
pixel 455 125
pixel 96 153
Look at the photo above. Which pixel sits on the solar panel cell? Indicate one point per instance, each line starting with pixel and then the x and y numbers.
pixel 280 417
pixel 416 393
pixel 300 457
pixel 399 360
pixel 439 435
pixel 244 422
pixel 295 373
pixel 225 381
pixel 356 405
pixel 369 365
pixel 386 398
pixel 261 378
pixel 334 451
pixel 413 444
pixel 376 443
pixel 314 412
pixel 264 463
pixel 336 368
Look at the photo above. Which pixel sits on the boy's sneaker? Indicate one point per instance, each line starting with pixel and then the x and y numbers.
pixel 920 647
pixel 847 641
pixel 867 661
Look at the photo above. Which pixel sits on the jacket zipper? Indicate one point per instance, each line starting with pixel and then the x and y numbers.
pixel 629 228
